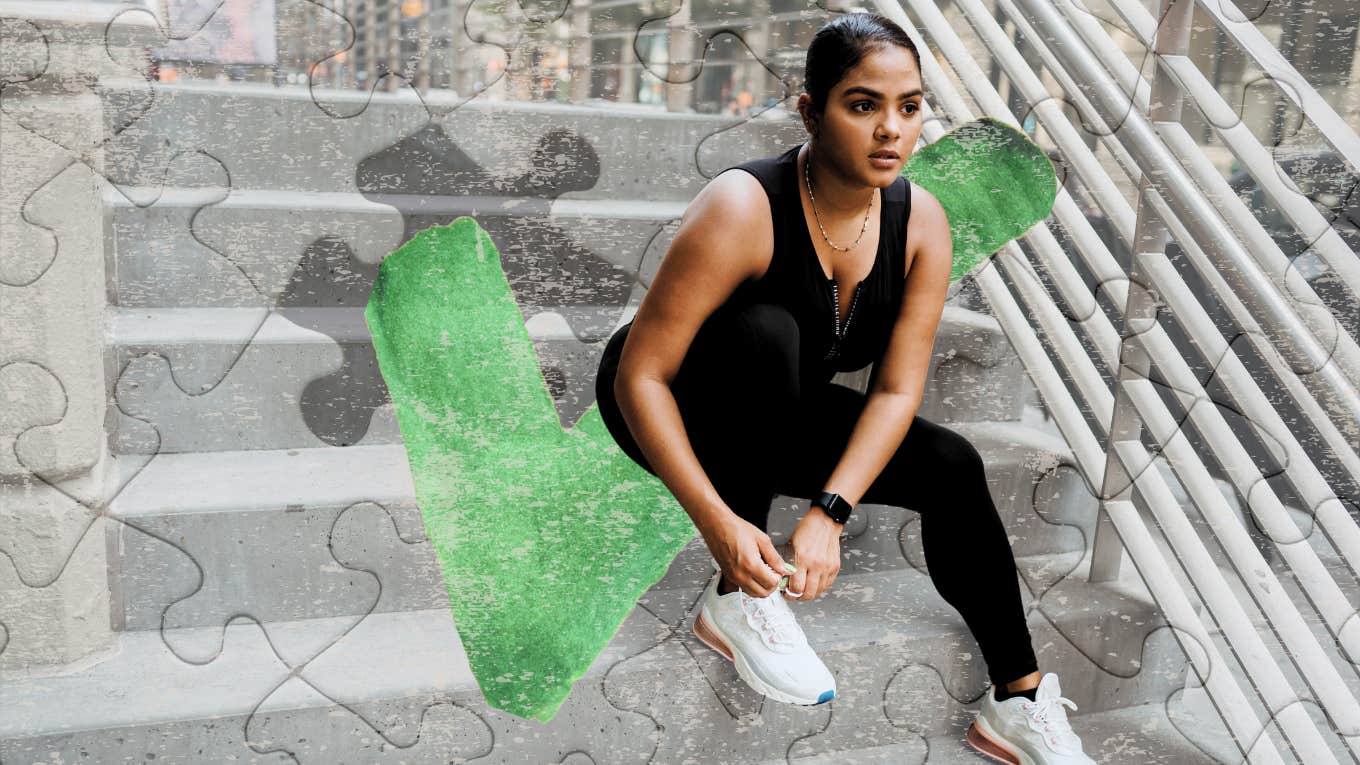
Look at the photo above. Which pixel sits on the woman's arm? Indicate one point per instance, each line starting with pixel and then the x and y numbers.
pixel 900 377
pixel 899 380
pixel 725 236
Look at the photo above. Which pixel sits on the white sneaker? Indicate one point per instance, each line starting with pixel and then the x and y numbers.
pixel 1024 732
pixel 763 641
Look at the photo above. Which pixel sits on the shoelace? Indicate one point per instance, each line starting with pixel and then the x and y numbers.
pixel 1048 713
pixel 774 623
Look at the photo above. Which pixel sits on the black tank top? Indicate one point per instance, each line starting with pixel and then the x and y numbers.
pixel 795 279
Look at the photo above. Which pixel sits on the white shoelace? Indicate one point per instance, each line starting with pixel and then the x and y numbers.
pixel 774 621
pixel 1047 717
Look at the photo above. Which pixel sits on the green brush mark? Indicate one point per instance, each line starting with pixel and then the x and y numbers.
pixel 547 537
pixel 993 183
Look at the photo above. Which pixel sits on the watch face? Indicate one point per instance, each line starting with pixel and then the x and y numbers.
pixel 835 506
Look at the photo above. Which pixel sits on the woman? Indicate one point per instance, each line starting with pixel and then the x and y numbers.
pixel 820 260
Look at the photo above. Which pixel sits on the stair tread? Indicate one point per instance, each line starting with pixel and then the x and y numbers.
pixel 360 203
pixel 1141 734
pixel 168 326
pixel 847 619
pixel 269 479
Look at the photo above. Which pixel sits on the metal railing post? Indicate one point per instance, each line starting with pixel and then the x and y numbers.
pixel 1150 236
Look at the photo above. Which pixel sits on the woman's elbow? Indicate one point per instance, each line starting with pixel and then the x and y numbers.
pixel 627 381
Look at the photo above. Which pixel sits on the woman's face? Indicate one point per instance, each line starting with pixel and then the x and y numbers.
pixel 876 107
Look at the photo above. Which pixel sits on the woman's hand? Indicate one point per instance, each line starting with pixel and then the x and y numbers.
pixel 816 543
pixel 746 556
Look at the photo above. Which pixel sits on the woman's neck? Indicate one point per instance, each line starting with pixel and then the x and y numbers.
pixel 833 196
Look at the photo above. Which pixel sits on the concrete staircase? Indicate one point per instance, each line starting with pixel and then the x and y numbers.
pixel 273 588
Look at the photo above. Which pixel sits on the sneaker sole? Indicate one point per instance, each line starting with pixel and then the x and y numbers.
pixel 713 639
pixel 982 738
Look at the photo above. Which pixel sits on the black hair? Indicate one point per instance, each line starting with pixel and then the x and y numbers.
pixel 840 44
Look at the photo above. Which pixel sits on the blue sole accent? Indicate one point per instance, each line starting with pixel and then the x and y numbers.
pixel 826 696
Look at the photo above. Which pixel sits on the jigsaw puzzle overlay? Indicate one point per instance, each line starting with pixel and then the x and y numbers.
pixel 212 545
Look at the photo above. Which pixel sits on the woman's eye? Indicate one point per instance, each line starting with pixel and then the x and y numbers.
pixel 862 103
pixel 912 107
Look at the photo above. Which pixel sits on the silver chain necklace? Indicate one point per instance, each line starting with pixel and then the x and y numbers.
pixel 807 176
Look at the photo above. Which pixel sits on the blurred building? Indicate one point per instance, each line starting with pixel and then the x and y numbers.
pixel 707 56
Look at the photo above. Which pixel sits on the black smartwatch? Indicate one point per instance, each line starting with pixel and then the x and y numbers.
pixel 834 505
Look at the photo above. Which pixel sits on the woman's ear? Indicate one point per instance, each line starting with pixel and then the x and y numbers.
pixel 805 111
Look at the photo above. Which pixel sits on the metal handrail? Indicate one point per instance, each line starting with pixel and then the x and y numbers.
pixel 1259 162
pixel 1291 337
pixel 1238 138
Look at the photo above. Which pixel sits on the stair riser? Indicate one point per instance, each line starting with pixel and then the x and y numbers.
pixel 265 250
pixel 295 386
pixel 602 714
pixel 279 138
pixel 281 563
pixel 291 395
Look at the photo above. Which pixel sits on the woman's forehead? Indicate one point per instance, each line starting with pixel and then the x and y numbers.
pixel 890 70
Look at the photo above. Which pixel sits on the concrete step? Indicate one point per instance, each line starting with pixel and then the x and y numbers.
pixel 396 686
pixel 293 139
pixel 226 379
pixel 198 247
pixel 223 379
pixel 1144 734
pixel 276 533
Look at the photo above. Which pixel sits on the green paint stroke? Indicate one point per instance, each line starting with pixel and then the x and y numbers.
pixel 993 183
pixel 547 537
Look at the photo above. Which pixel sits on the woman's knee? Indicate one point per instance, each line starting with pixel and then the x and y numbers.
pixel 959 455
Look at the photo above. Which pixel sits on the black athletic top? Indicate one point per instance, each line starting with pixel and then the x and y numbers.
pixel 795 279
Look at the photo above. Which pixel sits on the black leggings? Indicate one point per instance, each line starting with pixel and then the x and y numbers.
pixel 756 434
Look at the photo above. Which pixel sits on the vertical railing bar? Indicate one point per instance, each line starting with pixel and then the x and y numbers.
pixel 1150 236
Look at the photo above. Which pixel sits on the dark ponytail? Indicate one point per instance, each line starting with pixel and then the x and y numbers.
pixel 840 44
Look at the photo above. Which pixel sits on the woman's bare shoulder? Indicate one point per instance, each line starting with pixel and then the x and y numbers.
pixel 724 238
pixel 732 193
pixel 928 226
pixel 732 217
